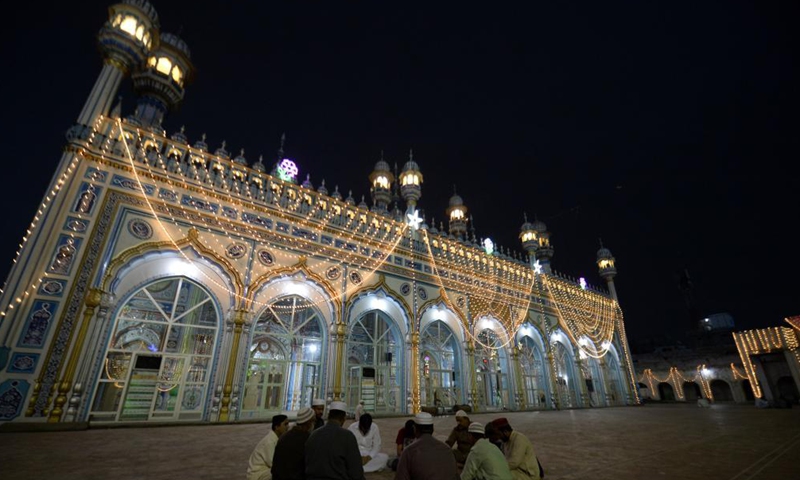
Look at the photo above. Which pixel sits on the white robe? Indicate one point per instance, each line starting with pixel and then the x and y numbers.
pixel 260 466
pixel 370 445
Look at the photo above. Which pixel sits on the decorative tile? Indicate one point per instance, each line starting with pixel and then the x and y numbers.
pixel 23 362
pixel 12 396
pixel 131 184
pixel 140 229
pixel 52 287
pixel 266 258
pixel 64 255
pixel 77 225
pixel 87 198
pixel 38 323
pixel 236 250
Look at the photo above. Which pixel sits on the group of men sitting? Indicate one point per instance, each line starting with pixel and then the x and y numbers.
pixel 314 450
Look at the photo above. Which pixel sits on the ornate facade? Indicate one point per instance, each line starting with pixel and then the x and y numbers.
pixel 161 281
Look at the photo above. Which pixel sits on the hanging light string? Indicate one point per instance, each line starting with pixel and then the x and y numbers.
pixel 349 258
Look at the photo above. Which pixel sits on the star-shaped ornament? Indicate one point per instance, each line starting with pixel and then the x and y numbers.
pixel 537 267
pixel 413 219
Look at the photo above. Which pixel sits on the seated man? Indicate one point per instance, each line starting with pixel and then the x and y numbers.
pixel 461 438
pixel 485 461
pixel 368 437
pixel 518 451
pixel 260 465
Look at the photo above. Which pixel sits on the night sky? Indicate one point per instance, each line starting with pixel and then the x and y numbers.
pixel 669 130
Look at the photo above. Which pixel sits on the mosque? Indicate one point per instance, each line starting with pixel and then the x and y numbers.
pixel 162 280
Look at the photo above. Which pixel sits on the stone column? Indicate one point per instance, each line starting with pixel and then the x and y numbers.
pixel 340 335
pixel 473 381
pixel 92 300
pixel 585 401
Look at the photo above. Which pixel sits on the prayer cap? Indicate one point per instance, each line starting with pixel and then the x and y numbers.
pixel 461 413
pixel 476 427
pixel 500 422
pixel 318 402
pixel 338 406
pixel 305 414
pixel 423 418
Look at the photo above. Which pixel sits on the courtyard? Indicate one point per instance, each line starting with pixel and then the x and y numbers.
pixel 671 441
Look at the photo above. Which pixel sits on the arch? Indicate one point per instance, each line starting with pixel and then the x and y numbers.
pixel 721 391
pixel 298 283
pixel 375 361
pixel 787 389
pixel 566 377
pixel 691 391
pixel 285 362
pixel 616 386
pixel 492 365
pixel 159 356
pixel 209 268
pixel 748 390
pixel 532 361
pixel 380 297
pixel 644 391
pixel 300 273
pixel 440 311
pixel 665 392
pixel 440 365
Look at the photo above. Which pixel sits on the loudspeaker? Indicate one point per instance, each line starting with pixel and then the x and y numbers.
pixel 389 357
pixel 368 372
pixel 589 385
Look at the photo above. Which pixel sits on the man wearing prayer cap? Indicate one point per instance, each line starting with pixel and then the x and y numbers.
pixel 332 451
pixel 518 451
pixel 318 404
pixel 427 457
pixel 485 461
pixel 260 462
pixel 289 460
pixel 460 438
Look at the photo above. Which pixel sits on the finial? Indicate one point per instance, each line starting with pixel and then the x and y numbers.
pixel 381 154
pixel 323 182
pixel 280 150
pixel 203 137
pixel 525 216
pixel 223 144
pixel 183 127
pixel 410 154
pixel 241 152
pixel 601 242
pixel 261 158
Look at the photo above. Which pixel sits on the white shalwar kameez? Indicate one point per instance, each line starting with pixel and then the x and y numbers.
pixel 370 445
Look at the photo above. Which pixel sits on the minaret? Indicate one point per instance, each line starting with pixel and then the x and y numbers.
pixel 161 80
pixel 544 252
pixel 410 183
pixel 529 238
pixel 381 180
pixel 605 264
pixel 125 41
pixel 458 216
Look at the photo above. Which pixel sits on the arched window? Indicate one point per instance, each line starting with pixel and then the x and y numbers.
pixel 533 373
pixel 491 370
pixel 439 372
pixel 285 364
pixel 615 389
pixel 158 361
pixel 565 376
pixel 374 358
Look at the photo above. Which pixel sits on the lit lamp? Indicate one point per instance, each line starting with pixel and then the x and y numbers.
pixel 458 216
pixel 381 180
pixel 544 250
pixel 411 182
pixel 529 238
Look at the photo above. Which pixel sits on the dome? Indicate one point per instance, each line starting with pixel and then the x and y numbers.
pixel 145 7
pixel 526 227
pixel 363 203
pixel 180 136
pixel 240 158
pixel 259 165
pixel 322 189
pixel 221 152
pixel 336 194
pixel 350 200
pixel 410 166
pixel 456 201
pixel 175 42
pixel 307 182
pixel 539 226
pixel 201 144
pixel 604 254
pixel 382 166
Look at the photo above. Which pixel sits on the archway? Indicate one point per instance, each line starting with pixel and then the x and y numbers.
pixel 284 370
pixel 691 391
pixel 565 376
pixel 613 373
pixel 491 371
pixel 439 366
pixel 160 354
pixel 644 391
pixel 721 391
pixel 748 390
pixel 534 382
pixel 374 358
pixel 787 389
pixel 666 392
